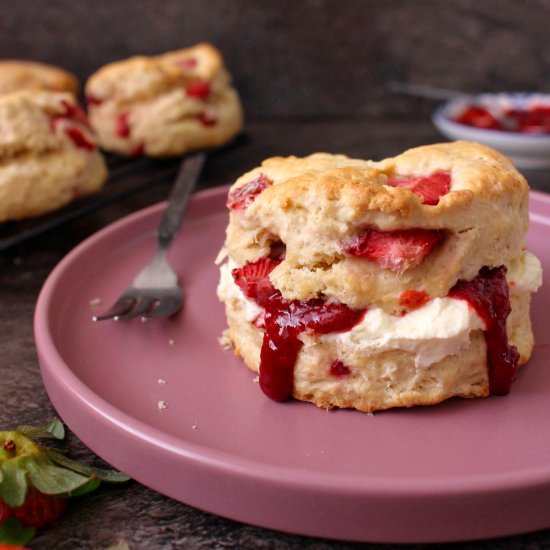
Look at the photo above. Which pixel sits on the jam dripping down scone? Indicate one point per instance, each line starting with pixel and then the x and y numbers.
pixel 48 155
pixel 29 75
pixel 372 285
pixel 165 105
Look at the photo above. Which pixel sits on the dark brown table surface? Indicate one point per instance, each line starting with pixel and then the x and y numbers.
pixel 144 518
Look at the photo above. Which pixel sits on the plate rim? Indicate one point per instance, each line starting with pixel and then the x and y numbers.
pixel 252 470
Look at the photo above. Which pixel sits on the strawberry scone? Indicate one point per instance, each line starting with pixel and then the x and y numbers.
pixel 164 105
pixel 48 155
pixel 17 74
pixel 372 285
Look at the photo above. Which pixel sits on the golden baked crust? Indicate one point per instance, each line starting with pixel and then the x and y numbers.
pixel 164 105
pixel 31 75
pixel 314 206
pixel 331 197
pixel 48 155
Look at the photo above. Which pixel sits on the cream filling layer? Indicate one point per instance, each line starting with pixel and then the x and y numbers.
pixel 432 332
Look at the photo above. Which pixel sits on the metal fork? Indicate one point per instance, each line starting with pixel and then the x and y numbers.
pixel 155 291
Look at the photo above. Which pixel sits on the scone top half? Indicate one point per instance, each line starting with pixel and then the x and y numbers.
pixel 166 104
pixel 29 75
pixel 365 232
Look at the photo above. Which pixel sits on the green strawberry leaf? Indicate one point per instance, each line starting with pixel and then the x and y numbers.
pixel 14 485
pixel 53 429
pixel 108 475
pixel 12 532
pixel 53 480
pixel 88 487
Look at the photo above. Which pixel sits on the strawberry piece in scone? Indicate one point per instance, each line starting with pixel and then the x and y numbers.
pixel 253 280
pixel 242 197
pixel 429 188
pixel 396 250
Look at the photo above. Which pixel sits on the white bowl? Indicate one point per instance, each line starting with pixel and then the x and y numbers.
pixel 527 151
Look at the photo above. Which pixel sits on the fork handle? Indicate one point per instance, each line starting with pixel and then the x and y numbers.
pixel 178 200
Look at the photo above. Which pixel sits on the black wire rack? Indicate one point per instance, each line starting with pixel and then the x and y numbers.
pixel 126 177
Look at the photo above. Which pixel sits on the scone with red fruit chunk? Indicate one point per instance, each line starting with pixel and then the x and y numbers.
pixel 16 74
pixel 48 155
pixel 372 285
pixel 164 105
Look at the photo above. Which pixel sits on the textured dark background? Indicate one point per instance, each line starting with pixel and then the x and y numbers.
pixel 301 58
pixel 313 76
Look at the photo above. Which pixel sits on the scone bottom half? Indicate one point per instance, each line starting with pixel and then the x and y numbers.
pixel 372 285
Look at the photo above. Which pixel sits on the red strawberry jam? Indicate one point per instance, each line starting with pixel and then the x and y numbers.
pixel 242 197
pixel 488 295
pixel 284 321
pixel 413 299
pixel 122 126
pixel 198 89
pixel 428 188
pixel 396 250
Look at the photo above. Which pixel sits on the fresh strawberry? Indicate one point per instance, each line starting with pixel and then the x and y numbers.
pixel 11 547
pixel 253 280
pixel 36 480
pixel 339 369
pixel 122 126
pixel 71 120
pixel 428 188
pixel 187 63
pixel 93 100
pixel 243 196
pixel 198 89
pixel 39 509
pixel 79 139
pixel 138 150
pixel 479 117
pixel 413 299
pixel 396 250
pixel 207 119
pixel 75 112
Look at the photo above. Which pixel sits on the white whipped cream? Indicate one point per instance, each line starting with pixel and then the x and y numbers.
pixel 525 274
pixel 432 332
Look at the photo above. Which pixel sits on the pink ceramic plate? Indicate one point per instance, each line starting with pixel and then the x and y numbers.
pixel 460 470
